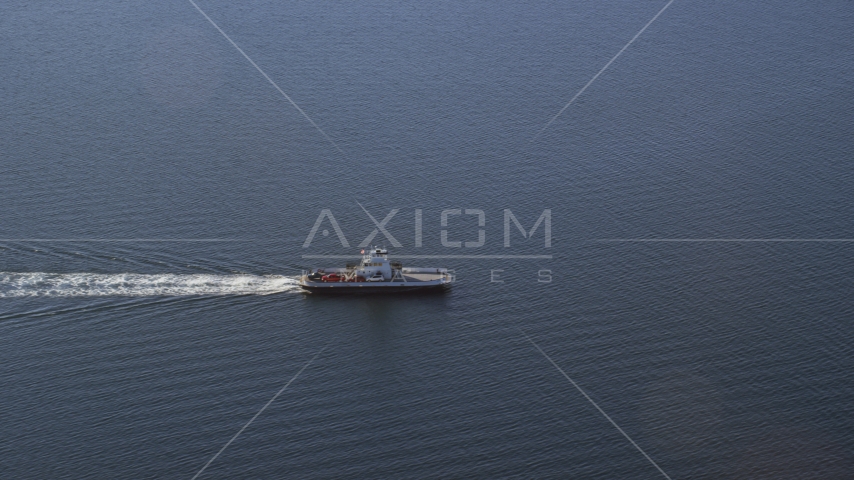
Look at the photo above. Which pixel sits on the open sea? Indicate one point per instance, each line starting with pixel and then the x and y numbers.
pixel 683 308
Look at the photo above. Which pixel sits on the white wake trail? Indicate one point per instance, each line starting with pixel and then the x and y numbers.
pixel 38 284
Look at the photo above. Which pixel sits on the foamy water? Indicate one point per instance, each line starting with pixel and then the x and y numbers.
pixel 137 285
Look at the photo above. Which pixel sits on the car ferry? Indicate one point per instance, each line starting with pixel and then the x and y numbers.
pixel 375 273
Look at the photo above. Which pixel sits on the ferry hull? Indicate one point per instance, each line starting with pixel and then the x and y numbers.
pixel 368 287
pixel 375 274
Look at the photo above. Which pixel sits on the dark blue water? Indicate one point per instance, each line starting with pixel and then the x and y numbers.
pixel 129 122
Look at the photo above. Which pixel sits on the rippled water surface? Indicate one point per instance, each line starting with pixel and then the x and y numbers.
pixel 157 194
